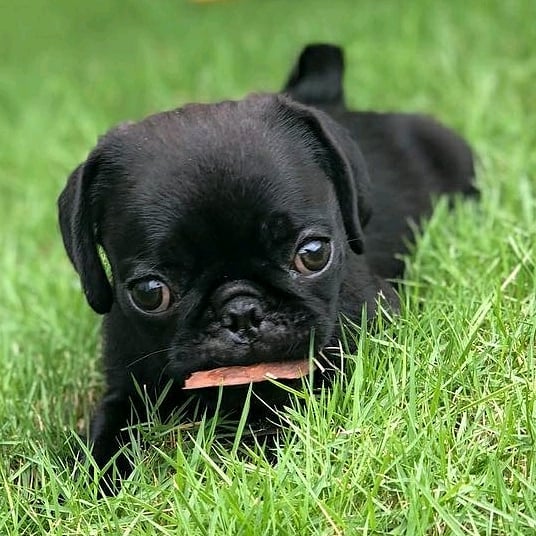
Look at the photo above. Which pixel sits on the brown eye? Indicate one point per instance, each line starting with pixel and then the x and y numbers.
pixel 150 296
pixel 312 256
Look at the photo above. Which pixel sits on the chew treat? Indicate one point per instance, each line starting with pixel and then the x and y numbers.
pixel 240 375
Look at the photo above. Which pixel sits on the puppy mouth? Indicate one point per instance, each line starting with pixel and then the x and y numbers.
pixel 246 374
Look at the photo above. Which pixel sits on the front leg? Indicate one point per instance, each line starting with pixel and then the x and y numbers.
pixel 107 435
pixel 108 432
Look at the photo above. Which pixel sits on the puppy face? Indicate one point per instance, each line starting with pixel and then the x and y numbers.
pixel 227 229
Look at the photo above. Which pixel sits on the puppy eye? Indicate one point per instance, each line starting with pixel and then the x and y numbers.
pixel 312 256
pixel 150 296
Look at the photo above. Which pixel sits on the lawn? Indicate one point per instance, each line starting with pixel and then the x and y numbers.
pixel 432 429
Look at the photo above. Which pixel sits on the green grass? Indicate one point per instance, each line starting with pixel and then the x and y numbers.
pixel 433 428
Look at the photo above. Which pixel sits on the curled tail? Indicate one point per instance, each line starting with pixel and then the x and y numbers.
pixel 317 76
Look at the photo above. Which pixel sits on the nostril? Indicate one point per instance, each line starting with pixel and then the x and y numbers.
pixel 256 316
pixel 241 315
pixel 241 321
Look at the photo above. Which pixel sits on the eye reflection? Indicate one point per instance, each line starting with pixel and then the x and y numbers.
pixel 312 256
pixel 150 296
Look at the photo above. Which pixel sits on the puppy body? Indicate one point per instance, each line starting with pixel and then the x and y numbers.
pixel 410 158
pixel 212 211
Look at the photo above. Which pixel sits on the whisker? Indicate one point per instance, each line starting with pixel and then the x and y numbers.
pixel 150 354
pixel 164 368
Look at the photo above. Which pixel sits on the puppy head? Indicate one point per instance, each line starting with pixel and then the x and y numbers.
pixel 226 227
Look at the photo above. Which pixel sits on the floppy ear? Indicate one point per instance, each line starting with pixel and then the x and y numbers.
pixel 340 158
pixel 78 229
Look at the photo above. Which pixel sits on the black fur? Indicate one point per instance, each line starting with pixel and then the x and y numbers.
pixel 214 199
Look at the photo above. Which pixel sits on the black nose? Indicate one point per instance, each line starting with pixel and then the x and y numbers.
pixel 238 305
pixel 242 314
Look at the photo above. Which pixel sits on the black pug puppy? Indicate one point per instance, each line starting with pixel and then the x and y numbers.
pixel 239 232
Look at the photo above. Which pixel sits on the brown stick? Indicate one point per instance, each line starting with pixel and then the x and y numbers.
pixel 240 375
